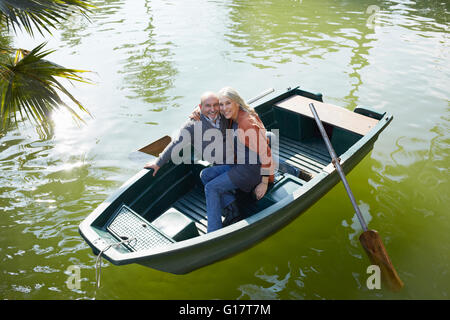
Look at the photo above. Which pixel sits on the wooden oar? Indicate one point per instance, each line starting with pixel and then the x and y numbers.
pixel 156 147
pixel 370 239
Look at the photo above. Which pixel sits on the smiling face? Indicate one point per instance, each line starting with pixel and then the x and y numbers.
pixel 228 108
pixel 209 106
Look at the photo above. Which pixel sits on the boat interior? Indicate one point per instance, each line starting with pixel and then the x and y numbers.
pixel 171 206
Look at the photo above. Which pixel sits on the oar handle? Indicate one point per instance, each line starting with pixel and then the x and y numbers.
pixel 337 165
pixel 261 95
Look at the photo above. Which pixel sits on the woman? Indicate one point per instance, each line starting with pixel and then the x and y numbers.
pixel 251 165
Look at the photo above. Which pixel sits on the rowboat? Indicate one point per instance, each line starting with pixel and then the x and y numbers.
pixel 160 221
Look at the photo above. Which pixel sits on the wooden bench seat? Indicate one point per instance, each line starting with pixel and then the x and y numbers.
pixel 330 114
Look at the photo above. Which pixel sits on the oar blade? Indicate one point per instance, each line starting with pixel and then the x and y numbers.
pixel 156 147
pixel 374 247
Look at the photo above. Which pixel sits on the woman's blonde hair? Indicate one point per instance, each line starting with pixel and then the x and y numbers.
pixel 232 94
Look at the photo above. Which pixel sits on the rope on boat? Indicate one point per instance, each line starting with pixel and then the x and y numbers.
pixel 98 262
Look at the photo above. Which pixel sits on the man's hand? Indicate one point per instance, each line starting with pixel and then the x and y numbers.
pixel 152 165
pixel 195 115
pixel 261 189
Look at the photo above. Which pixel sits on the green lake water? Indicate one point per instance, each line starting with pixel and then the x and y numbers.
pixel 151 60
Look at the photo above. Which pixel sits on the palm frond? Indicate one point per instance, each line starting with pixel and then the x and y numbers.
pixel 29 87
pixel 40 14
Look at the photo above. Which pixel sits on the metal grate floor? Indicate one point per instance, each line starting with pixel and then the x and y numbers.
pixel 127 224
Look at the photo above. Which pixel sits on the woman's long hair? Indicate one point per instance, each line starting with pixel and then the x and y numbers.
pixel 232 94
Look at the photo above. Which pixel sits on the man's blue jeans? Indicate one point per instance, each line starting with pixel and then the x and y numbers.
pixel 218 187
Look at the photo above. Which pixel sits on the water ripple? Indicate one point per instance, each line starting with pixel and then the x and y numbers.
pixel 255 292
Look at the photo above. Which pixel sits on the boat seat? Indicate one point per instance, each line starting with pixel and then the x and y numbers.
pixel 176 225
pixel 330 114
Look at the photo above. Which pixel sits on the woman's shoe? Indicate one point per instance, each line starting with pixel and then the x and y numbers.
pixel 231 214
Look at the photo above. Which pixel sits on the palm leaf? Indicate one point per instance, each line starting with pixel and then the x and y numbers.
pixel 41 14
pixel 29 87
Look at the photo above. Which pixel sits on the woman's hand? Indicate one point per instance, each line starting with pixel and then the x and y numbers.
pixel 195 114
pixel 152 165
pixel 261 190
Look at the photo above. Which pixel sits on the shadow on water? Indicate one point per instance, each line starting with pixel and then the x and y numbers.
pixel 148 69
pixel 420 16
pixel 105 16
pixel 144 64
pixel 273 33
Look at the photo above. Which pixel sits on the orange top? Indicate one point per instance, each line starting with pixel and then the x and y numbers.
pixel 253 136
